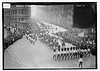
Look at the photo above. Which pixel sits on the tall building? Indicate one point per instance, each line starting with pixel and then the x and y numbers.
pixel 17 15
pixel 61 15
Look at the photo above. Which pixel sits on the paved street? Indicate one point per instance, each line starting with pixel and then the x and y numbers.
pixel 23 54
pixel 54 28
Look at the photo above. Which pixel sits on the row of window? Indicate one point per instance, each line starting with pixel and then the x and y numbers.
pixel 15 19
pixel 16 12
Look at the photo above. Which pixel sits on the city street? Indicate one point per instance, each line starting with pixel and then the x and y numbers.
pixel 54 28
pixel 23 54
pixel 49 35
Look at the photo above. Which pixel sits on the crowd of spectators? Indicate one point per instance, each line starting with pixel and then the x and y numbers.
pixel 15 35
pixel 88 40
pixel 61 48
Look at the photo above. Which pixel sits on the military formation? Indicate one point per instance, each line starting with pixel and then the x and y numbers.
pixel 31 37
pixel 61 51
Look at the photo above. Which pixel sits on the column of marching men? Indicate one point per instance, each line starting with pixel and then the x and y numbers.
pixel 60 50
pixel 63 52
pixel 31 38
pixel 47 40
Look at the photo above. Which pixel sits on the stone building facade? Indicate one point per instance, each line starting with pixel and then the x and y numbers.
pixel 17 16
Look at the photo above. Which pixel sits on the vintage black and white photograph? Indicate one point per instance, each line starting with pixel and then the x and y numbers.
pixel 49 35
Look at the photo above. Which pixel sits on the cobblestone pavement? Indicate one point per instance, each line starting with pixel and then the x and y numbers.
pixel 23 54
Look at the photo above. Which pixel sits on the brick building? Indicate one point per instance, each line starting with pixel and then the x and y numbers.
pixel 17 16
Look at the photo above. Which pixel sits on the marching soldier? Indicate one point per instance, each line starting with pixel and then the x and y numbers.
pixel 67 55
pixel 85 52
pixel 88 52
pixel 64 54
pixel 55 54
pixel 58 52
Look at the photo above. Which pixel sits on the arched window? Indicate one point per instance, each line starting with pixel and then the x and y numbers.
pixel 9 12
pixel 22 11
pixel 22 19
pixel 15 19
pixel 18 11
pixel 15 12
pixel 18 19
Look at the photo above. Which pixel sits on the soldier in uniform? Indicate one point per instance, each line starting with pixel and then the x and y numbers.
pixel 58 52
pixel 54 55
pixel 88 52
pixel 64 54
pixel 68 54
